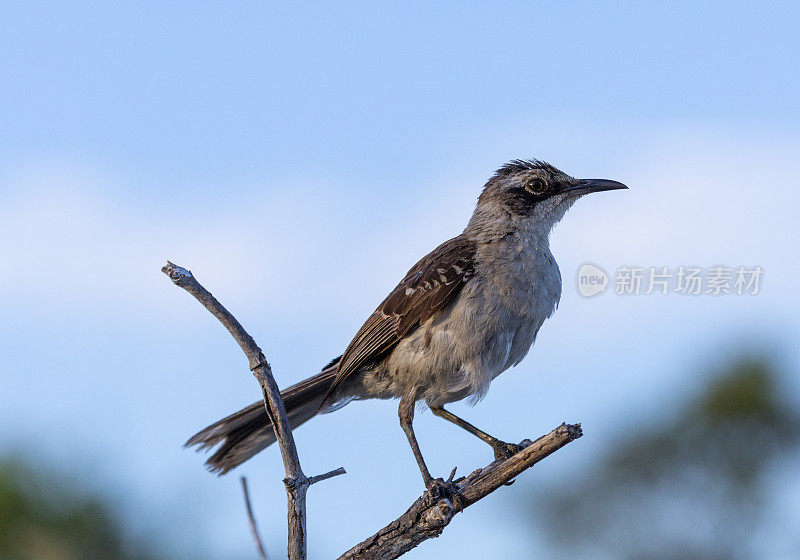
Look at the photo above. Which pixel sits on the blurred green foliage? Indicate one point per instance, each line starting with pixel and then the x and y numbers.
pixel 43 517
pixel 692 487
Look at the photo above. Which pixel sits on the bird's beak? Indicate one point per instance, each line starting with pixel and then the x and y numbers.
pixel 586 186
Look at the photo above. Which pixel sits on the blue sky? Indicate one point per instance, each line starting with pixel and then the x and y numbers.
pixel 300 159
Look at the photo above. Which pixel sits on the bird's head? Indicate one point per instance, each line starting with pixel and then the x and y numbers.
pixel 531 194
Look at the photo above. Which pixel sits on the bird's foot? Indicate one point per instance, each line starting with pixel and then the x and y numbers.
pixel 439 487
pixel 503 450
pixel 447 495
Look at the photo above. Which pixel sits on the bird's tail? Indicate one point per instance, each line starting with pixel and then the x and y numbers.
pixel 243 434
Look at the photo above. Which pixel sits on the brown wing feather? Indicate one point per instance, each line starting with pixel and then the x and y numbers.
pixel 428 287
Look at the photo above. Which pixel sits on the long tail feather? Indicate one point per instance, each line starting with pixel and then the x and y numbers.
pixel 243 434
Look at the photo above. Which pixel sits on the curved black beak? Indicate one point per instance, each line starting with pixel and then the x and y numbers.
pixel 586 186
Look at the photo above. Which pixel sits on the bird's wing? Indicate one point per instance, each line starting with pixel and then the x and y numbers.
pixel 428 287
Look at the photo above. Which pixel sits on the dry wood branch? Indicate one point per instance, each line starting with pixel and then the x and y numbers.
pixel 430 514
pixel 296 481
pixel 262 554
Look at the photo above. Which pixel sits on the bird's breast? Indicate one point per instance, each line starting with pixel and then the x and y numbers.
pixel 524 288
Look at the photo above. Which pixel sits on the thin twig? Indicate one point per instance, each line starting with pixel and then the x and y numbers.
pixel 296 482
pixel 252 521
pixel 326 476
pixel 432 512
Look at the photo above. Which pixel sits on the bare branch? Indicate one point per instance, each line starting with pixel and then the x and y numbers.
pixel 184 279
pixel 431 513
pixel 262 554
pixel 296 482
pixel 326 476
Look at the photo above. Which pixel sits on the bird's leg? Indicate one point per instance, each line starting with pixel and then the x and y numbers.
pixel 406 413
pixel 502 450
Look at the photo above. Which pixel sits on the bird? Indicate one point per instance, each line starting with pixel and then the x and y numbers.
pixel 466 312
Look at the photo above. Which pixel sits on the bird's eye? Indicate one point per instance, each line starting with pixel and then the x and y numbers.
pixel 536 186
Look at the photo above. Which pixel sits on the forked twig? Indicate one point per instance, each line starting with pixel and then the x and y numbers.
pixel 296 481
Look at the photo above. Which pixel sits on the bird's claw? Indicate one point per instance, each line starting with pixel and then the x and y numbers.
pixel 437 488
pixel 503 450
pixel 445 493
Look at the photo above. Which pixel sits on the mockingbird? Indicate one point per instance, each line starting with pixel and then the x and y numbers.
pixel 465 313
